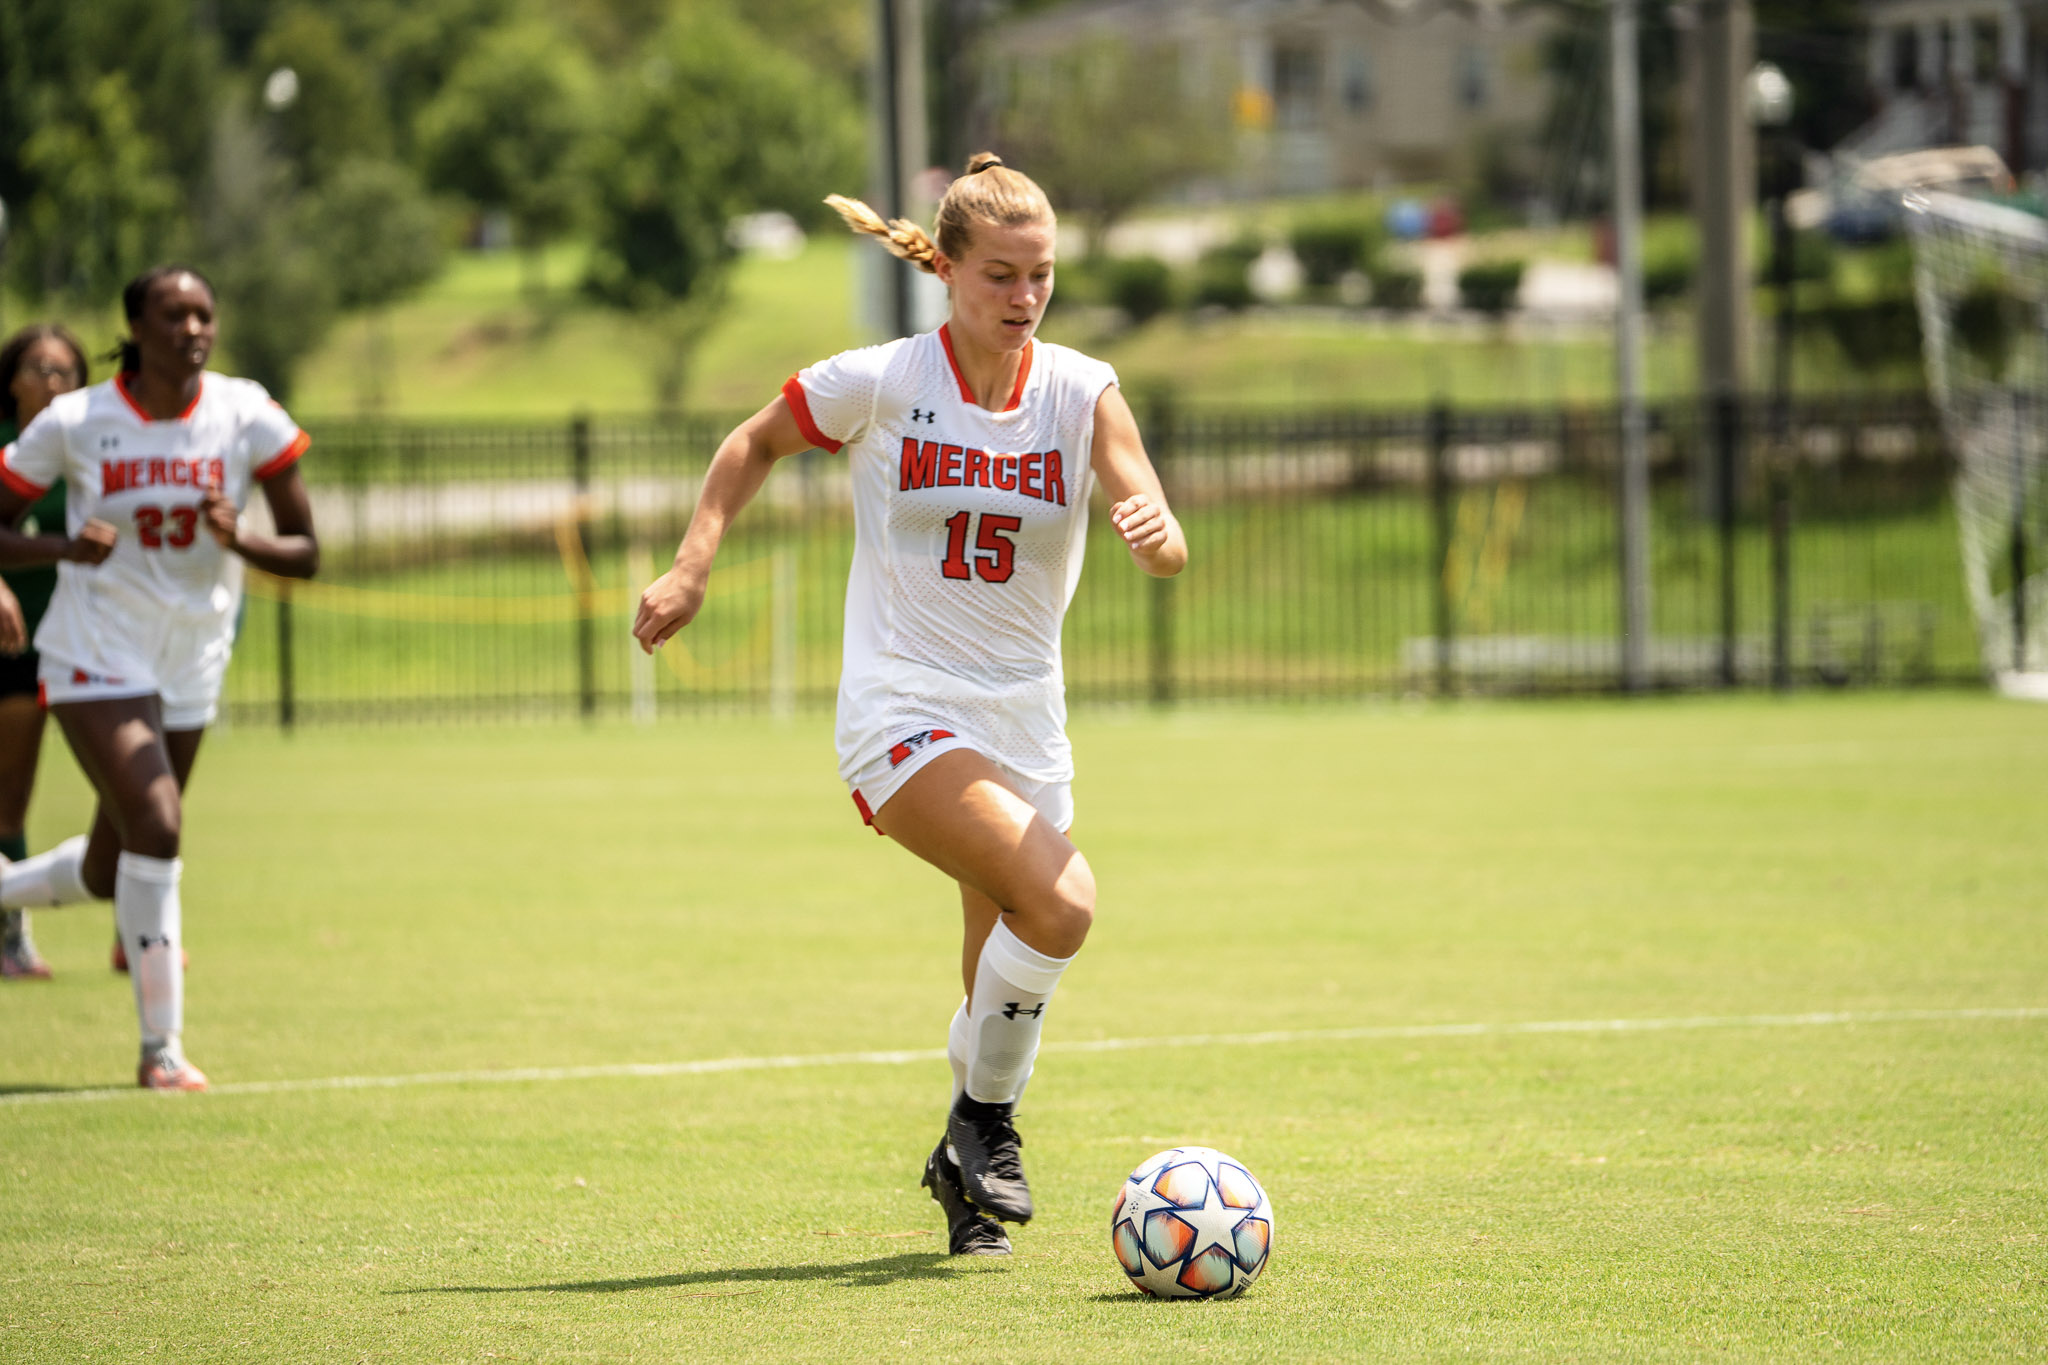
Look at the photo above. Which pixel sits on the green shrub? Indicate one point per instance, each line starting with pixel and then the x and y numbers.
pixel 1668 277
pixel 1328 247
pixel 1223 275
pixel 1490 286
pixel 1396 287
pixel 1140 285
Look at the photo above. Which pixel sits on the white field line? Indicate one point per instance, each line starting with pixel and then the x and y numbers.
pixel 840 1059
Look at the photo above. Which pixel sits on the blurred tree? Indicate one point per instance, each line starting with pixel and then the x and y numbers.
pixel 510 131
pixel 339 111
pixel 103 206
pixel 1058 125
pixel 53 56
pixel 382 240
pixel 714 123
pixel 275 285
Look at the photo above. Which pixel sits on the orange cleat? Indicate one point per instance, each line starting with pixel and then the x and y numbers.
pixel 165 1068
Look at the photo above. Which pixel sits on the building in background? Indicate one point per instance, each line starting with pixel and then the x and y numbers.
pixel 1325 94
pixel 1950 72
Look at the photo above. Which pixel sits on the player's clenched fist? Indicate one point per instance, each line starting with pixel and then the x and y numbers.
pixel 220 515
pixel 93 543
pixel 670 603
pixel 1141 522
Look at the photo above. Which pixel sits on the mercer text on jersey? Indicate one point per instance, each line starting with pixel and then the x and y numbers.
pixel 935 464
pixel 119 475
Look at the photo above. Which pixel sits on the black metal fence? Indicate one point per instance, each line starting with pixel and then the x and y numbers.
pixel 492 570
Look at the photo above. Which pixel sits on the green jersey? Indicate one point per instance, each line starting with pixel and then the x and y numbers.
pixel 33 587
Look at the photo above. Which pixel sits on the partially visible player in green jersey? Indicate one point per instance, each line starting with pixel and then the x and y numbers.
pixel 36 365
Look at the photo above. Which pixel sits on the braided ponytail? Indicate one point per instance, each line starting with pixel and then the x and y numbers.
pixel 904 239
pixel 989 192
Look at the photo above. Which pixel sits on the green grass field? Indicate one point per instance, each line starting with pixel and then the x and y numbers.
pixel 394 903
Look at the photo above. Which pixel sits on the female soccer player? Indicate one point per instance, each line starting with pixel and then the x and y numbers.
pixel 159 462
pixel 972 451
pixel 36 365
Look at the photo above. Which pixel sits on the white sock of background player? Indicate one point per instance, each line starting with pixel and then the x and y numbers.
pixel 1012 983
pixel 51 878
pixel 150 917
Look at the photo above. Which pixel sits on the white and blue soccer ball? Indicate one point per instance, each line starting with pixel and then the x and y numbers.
pixel 1191 1223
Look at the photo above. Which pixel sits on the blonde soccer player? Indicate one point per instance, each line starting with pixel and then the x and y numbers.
pixel 972 451
pixel 159 462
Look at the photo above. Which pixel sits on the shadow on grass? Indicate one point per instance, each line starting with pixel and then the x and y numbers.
pixel 6 1089
pixel 869 1274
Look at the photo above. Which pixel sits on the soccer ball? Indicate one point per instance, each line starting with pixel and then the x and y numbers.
pixel 1191 1223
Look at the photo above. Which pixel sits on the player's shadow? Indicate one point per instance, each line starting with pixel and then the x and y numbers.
pixel 869 1274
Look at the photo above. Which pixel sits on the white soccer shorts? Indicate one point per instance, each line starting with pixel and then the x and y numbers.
pixel 180 661
pixel 874 784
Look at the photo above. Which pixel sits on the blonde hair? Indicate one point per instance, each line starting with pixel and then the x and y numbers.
pixel 990 192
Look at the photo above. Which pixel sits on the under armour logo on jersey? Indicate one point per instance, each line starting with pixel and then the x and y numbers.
pixel 920 415
pixel 1014 1008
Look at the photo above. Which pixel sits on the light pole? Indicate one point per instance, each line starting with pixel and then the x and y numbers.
pixel 1770 109
pixel 1628 347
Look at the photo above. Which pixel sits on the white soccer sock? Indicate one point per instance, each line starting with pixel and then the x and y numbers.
pixel 957 1036
pixel 51 878
pixel 147 909
pixel 1011 985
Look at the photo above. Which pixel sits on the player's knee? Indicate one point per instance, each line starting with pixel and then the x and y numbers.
pixel 153 828
pixel 1073 900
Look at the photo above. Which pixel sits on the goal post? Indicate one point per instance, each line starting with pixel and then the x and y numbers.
pixel 1980 274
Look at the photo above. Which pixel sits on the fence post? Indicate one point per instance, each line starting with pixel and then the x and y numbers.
pixel 287 702
pixel 1439 438
pixel 1159 660
pixel 586 625
pixel 1781 573
pixel 1727 451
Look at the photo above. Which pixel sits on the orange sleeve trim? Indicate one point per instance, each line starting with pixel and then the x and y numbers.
pixel 284 459
pixel 19 484
pixel 800 407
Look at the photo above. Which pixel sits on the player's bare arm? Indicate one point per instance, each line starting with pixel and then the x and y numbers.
pixel 1137 502
pixel 738 470
pixel 93 543
pixel 294 552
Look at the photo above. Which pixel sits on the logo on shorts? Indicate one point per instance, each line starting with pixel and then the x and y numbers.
pixel 905 748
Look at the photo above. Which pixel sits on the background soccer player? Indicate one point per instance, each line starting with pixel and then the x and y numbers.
pixel 159 461
pixel 36 365
pixel 972 451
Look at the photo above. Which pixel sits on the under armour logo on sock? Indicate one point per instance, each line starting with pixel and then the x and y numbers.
pixel 144 942
pixel 1014 1008
pixel 920 415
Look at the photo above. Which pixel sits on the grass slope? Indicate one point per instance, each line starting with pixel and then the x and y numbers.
pixel 385 903
pixel 473 344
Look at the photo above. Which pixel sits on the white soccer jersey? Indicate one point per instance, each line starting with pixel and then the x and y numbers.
pixel 969 527
pixel 147 477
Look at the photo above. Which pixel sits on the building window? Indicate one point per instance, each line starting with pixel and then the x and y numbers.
pixel 1358 91
pixel 1474 82
pixel 1297 85
pixel 1905 44
pixel 1984 54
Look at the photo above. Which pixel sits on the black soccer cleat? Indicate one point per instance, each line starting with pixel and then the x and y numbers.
pixel 985 1143
pixel 967 1232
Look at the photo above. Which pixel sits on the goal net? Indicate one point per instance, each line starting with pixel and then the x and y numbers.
pixel 1981 280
